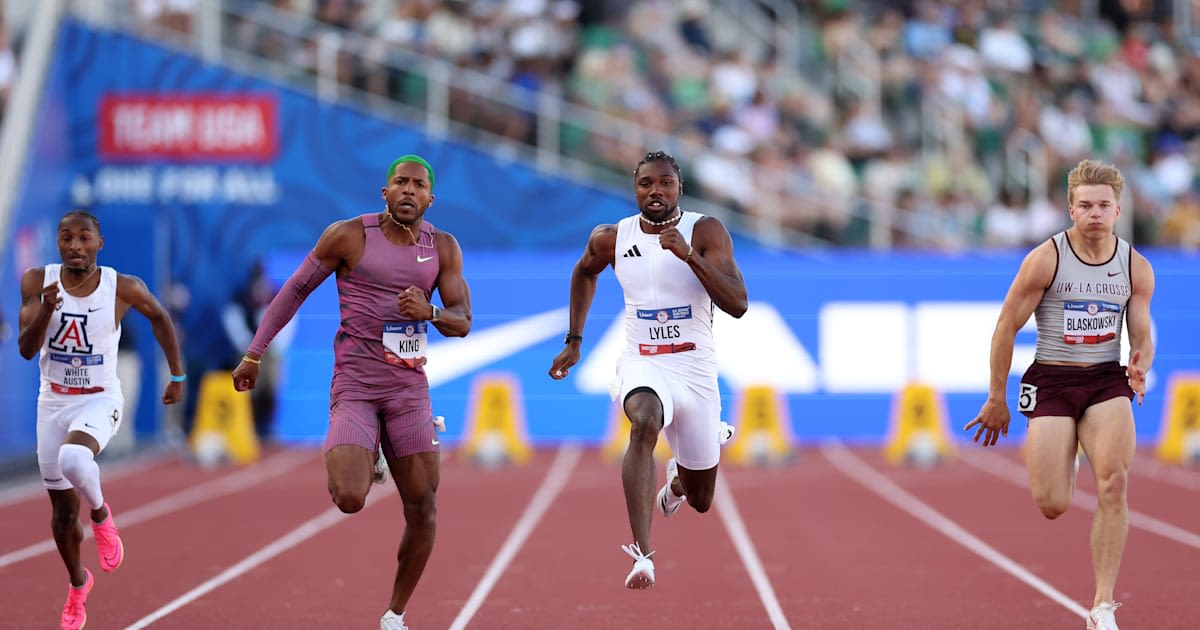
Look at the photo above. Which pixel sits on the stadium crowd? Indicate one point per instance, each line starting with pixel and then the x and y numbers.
pixel 953 122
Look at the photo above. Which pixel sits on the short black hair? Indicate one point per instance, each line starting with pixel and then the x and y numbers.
pixel 80 214
pixel 659 156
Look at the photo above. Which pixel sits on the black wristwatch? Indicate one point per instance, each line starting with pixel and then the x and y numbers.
pixel 572 337
pixel 437 313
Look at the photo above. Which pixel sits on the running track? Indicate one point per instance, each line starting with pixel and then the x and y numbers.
pixel 836 539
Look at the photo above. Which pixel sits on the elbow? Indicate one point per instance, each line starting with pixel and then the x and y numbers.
pixel 738 308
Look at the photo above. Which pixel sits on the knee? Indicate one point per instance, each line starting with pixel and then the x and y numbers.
pixel 73 460
pixel 64 519
pixel 345 499
pixel 644 428
pixel 1052 505
pixel 700 501
pixel 1111 486
pixel 421 513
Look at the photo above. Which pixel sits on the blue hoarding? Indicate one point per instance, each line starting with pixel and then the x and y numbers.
pixel 838 334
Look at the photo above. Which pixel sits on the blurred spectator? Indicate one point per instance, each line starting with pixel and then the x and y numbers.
pixel 240 319
pixel 173 15
pixel 961 115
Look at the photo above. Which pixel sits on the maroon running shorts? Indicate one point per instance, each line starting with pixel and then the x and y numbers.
pixel 1068 390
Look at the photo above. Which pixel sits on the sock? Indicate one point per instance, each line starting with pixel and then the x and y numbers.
pixel 78 465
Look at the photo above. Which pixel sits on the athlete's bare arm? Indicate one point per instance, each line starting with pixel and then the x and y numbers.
pixel 712 261
pixel 455 320
pixel 1137 319
pixel 599 253
pixel 132 293
pixel 37 305
pixel 1035 274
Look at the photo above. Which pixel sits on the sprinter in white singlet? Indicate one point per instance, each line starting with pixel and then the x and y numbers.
pixel 71 315
pixel 673 266
pixel 1085 286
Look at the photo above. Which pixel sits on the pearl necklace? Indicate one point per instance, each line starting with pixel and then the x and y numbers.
pixel 673 218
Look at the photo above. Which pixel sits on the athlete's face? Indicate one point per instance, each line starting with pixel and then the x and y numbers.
pixel 408 194
pixel 78 242
pixel 657 189
pixel 1095 209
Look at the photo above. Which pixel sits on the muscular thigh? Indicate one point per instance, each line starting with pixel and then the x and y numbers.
pixel 693 433
pixel 1050 448
pixel 407 425
pixel 1108 435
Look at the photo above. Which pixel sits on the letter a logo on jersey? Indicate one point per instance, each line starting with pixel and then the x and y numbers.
pixel 71 335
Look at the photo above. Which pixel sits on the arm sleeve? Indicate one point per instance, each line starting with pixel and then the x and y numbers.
pixel 308 276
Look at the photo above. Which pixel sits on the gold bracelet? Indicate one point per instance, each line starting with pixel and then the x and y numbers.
pixel 248 359
pixel 689 254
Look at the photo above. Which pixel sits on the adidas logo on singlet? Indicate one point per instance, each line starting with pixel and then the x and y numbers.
pixel 633 252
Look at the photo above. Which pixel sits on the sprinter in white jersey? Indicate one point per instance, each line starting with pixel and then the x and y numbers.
pixel 71 313
pixel 673 266
pixel 1085 286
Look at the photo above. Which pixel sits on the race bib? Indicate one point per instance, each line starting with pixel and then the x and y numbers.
pixel 71 370
pixel 663 326
pixel 1090 322
pixel 1027 401
pixel 404 343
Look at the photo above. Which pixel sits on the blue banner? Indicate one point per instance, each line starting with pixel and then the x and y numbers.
pixel 837 334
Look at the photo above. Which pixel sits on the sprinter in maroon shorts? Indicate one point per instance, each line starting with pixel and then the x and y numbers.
pixel 1083 285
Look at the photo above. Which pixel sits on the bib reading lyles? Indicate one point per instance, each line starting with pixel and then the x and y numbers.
pixel 1090 322
pixel 404 343
pixel 660 331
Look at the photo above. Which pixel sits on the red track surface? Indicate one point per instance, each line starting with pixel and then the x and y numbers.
pixel 824 542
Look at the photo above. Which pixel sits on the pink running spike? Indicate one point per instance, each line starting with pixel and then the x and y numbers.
pixel 74 614
pixel 108 543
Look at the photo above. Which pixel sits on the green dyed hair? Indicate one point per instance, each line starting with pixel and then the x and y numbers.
pixel 415 159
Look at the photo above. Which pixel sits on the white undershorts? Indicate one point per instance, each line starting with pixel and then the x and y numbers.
pixel 691 408
pixel 98 415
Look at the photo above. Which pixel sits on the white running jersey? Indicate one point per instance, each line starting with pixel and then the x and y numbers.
pixel 666 307
pixel 1082 312
pixel 79 355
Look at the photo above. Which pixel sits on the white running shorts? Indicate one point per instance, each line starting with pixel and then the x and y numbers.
pixel 691 408
pixel 98 415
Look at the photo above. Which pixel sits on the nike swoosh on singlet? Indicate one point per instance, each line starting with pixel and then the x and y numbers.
pixel 1113 273
pixel 427 258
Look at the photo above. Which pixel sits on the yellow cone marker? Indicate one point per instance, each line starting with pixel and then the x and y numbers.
pixel 224 425
pixel 764 433
pixel 1179 437
pixel 919 428
pixel 496 421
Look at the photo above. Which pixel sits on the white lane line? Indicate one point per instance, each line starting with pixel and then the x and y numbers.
pixel 306 530
pixel 552 485
pixel 1015 474
pixel 245 478
pixel 886 489
pixel 732 519
pixel 34 489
